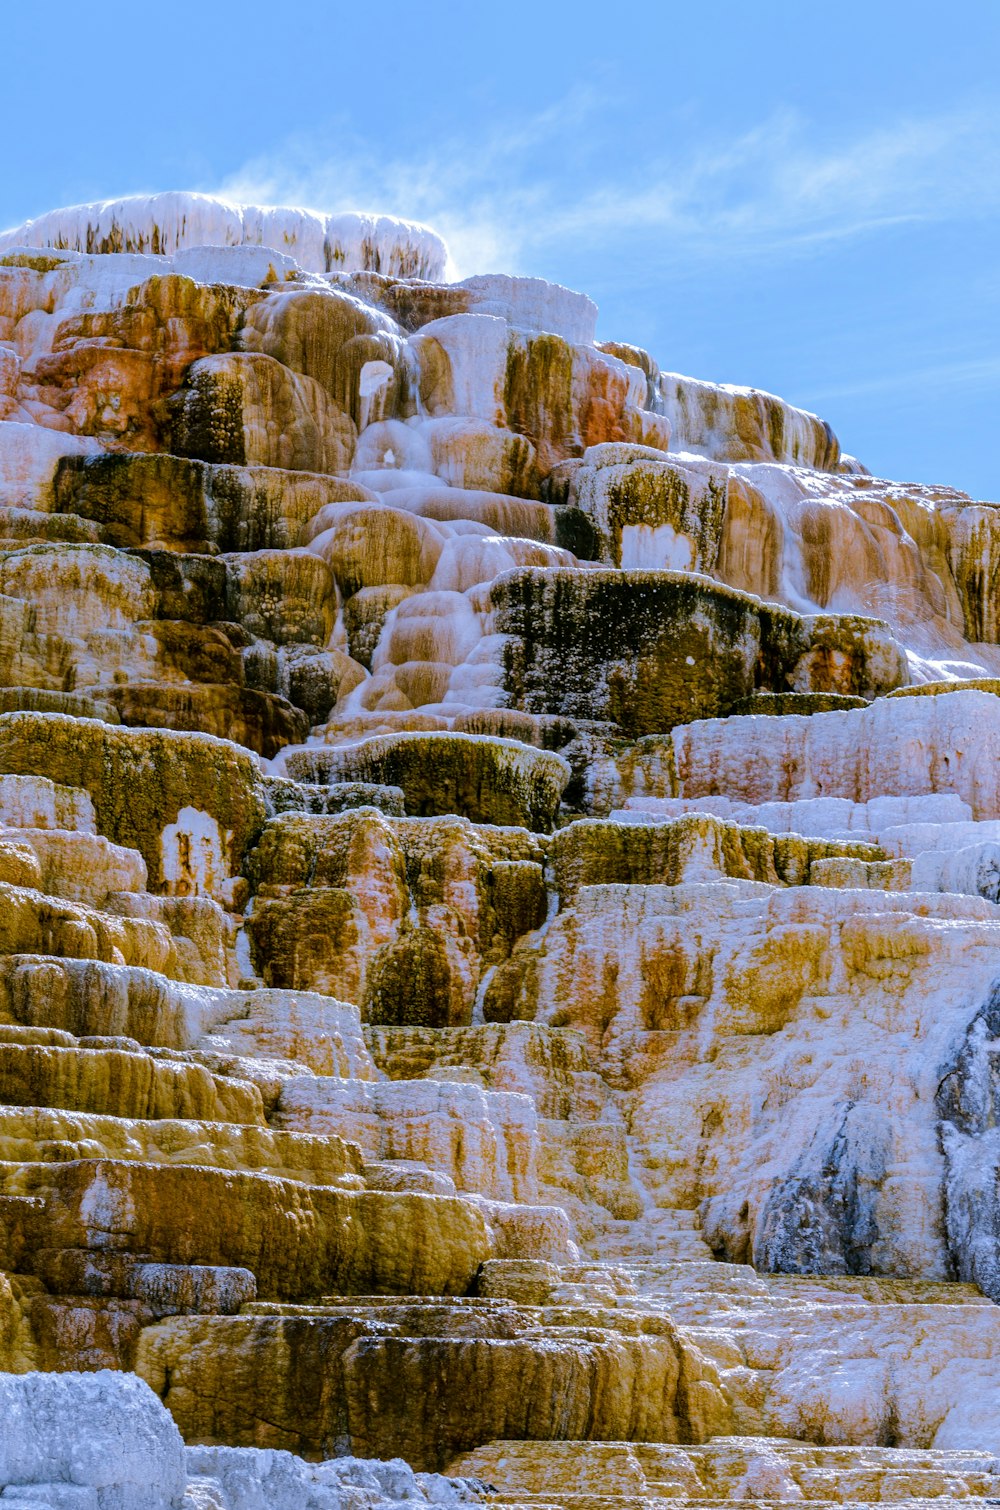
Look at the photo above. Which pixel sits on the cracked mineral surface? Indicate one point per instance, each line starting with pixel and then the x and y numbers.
pixel 499 902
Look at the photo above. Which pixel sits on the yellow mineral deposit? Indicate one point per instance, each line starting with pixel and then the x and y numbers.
pixel 499 900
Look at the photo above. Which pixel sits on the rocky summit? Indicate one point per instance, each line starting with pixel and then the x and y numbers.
pixel 499 902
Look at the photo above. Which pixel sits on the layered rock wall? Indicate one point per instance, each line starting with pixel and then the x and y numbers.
pixel 499 901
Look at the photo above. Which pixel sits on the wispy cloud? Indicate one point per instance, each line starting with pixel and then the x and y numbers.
pixel 505 199
pixel 963 373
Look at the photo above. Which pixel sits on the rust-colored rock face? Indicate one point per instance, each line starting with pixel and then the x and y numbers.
pixel 499 902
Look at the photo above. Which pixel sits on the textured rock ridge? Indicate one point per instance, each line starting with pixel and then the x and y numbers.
pixel 165 224
pixel 499 901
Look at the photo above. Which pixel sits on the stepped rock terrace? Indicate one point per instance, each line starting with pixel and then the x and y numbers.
pixel 499 902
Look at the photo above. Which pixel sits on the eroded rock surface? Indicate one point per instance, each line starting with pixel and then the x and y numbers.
pixel 499 902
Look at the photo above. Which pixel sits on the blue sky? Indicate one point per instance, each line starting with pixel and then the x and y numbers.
pixel 801 197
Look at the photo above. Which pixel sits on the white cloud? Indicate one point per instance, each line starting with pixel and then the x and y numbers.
pixel 504 199
pixel 972 372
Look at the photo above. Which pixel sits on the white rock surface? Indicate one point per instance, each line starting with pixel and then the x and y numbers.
pixel 485 1141
pixel 703 419
pixel 233 1478
pixel 29 455
pixel 245 266
pixel 533 304
pixel 102 1432
pixel 37 802
pixel 898 747
pixel 104 1442
pixel 162 224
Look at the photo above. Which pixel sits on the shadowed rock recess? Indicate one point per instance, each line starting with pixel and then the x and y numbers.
pixel 499 902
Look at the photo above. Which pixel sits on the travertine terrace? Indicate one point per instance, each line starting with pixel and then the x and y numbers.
pixel 500 879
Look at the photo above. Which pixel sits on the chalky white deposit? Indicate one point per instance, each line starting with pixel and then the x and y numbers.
pixel 499 901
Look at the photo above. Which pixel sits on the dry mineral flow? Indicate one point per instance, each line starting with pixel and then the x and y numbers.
pixel 499 880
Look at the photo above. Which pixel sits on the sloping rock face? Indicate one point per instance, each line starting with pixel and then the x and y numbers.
pixel 499 902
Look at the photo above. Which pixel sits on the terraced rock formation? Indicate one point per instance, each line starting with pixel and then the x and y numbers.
pixel 499 902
